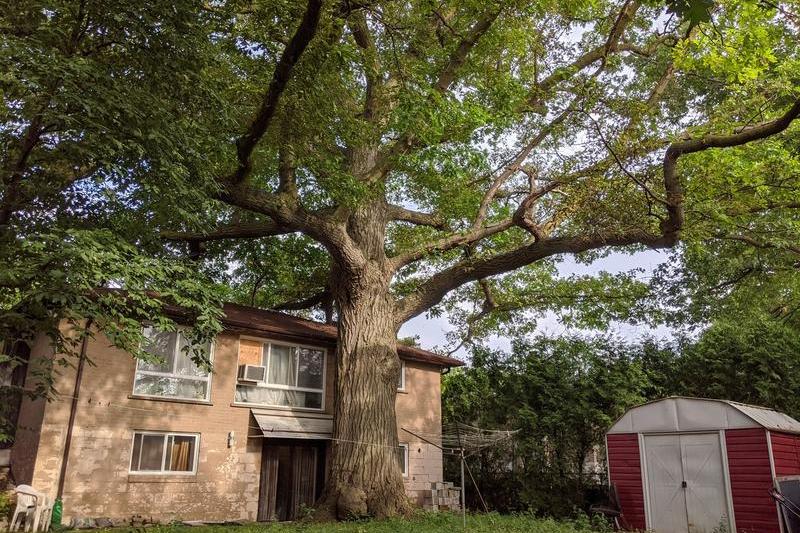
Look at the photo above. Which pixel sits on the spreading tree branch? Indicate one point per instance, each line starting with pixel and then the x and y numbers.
pixel 306 303
pixel 280 78
pixel 360 30
pixel 323 299
pixel 599 53
pixel 434 220
pixel 673 224
pixel 447 77
pixel 459 56
pixel 432 291
pixel 239 230
pixel 479 230
pixel 755 243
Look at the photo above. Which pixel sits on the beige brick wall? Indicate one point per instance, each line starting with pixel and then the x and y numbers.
pixel 98 482
pixel 419 409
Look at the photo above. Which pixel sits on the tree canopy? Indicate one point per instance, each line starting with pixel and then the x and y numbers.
pixel 377 160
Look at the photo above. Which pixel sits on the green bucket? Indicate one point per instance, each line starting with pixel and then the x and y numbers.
pixel 58 508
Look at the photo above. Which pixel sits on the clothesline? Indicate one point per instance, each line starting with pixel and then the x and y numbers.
pixel 454 437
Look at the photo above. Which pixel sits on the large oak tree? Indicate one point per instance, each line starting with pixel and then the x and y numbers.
pixel 397 150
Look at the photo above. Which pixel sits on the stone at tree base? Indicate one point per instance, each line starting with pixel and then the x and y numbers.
pixel 79 522
pixel 140 521
pixel 104 522
pixel 5 478
pixel 351 504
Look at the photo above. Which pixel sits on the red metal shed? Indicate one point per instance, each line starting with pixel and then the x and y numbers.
pixel 692 465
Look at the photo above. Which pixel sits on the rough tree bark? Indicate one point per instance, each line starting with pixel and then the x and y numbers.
pixel 364 479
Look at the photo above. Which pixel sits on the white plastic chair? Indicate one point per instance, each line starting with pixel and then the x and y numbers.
pixel 26 510
pixel 44 514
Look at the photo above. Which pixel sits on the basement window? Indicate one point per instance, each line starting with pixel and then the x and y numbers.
pixel 402 458
pixel 164 453
pixel 172 373
pixel 401 379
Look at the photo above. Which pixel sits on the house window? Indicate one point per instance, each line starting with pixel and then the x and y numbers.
pixel 173 374
pixel 164 453
pixel 5 366
pixel 401 379
pixel 294 376
pixel 402 458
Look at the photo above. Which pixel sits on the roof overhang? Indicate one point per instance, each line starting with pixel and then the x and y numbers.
pixel 293 427
pixel 242 319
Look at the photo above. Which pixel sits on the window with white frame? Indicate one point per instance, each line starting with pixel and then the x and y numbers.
pixel 5 366
pixel 294 377
pixel 401 379
pixel 172 373
pixel 402 458
pixel 164 453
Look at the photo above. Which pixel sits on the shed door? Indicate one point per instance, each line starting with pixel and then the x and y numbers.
pixel 706 498
pixel 665 484
pixel 686 486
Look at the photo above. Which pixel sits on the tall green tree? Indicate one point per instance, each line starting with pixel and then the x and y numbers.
pixel 560 396
pixel 102 105
pixel 751 361
pixel 422 146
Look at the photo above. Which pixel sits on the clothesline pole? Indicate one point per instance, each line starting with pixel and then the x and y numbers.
pixel 463 490
pixel 463 484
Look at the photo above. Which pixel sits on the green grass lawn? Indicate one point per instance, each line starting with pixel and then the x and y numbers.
pixel 421 523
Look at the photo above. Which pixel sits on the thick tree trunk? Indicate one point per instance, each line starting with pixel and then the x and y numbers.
pixel 365 477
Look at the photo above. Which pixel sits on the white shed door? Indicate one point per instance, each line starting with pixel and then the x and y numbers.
pixel 685 482
pixel 667 497
pixel 706 500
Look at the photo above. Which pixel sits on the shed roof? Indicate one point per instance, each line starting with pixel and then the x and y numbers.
pixel 680 413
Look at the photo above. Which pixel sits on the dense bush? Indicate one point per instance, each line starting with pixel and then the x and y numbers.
pixel 561 395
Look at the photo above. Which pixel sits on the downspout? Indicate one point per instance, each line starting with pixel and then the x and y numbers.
pixel 73 410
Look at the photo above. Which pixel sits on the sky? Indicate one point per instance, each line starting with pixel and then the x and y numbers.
pixel 432 330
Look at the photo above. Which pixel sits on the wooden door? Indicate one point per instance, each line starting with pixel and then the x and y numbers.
pixel 268 486
pixel 304 478
pixel 290 479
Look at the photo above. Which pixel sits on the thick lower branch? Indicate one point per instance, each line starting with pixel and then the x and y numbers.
pixel 306 303
pixel 671 180
pixel 396 212
pixel 243 230
pixel 432 291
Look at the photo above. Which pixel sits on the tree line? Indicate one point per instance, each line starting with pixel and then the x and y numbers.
pixel 562 394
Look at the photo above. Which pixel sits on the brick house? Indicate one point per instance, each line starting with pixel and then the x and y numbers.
pixel 249 441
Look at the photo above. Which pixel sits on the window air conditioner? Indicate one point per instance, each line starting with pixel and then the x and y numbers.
pixel 252 373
